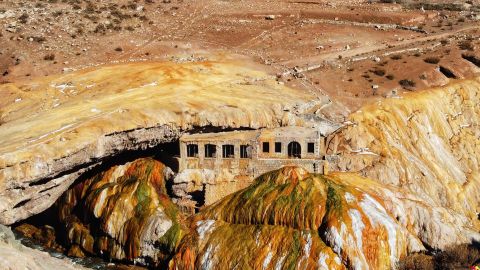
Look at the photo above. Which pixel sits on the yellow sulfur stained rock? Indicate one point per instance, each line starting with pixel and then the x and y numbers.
pixel 65 124
pixel 290 219
pixel 125 214
pixel 427 144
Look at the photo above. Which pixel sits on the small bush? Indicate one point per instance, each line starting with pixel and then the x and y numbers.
pixel 396 57
pixel 379 72
pixel 454 257
pixel 118 49
pixel 23 18
pixel 466 45
pixel 390 77
pixel 100 29
pixel 432 60
pixel 89 9
pixel 49 57
pixel 39 39
pixel 461 255
pixel 417 261
pixel 407 84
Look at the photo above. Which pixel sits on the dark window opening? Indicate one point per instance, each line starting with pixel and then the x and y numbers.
pixel 311 147
pixel 245 151
pixel 278 147
pixel 294 150
pixel 210 150
pixel 266 147
pixel 192 150
pixel 228 151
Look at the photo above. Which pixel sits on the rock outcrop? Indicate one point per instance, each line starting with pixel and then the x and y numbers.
pixel 212 187
pixel 290 219
pixel 15 256
pixel 123 213
pixel 55 128
pixel 428 144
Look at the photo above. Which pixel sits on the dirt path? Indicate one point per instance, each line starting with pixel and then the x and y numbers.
pixel 315 62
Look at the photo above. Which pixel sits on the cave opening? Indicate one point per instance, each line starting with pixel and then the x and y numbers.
pixel 48 232
pixel 198 197
pixel 447 72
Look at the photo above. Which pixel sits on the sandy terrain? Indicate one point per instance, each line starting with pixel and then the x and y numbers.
pixel 340 42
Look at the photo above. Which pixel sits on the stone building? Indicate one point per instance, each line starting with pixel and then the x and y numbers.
pixel 254 152
pixel 213 165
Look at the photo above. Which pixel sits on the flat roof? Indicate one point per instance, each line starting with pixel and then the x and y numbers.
pixel 245 135
pixel 295 132
pixel 242 135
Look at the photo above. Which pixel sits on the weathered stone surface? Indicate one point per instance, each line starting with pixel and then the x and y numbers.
pixel 65 124
pixel 290 219
pixel 214 187
pixel 124 213
pixel 76 251
pixel 44 235
pixel 428 144
pixel 15 256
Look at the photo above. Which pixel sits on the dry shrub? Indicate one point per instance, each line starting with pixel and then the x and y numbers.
pixel 454 257
pixel 23 18
pixel 418 261
pixel 432 60
pixel 407 84
pixel 466 45
pixel 49 57
pixel 379 72
pixel 396 57
pixel 461 255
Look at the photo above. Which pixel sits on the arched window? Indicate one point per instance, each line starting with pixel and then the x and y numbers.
pixel 294 150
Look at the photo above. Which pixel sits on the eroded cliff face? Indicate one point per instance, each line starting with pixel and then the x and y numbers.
pixel 123 213
pixel 428 144
pixel 55 128
pixel 290 219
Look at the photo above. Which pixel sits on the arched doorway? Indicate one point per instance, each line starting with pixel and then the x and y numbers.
pixel 294 150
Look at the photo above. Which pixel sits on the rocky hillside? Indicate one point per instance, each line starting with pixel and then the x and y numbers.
pixel 123 213
pixel 55 128
pixel 287 219
pixel 428 144
pixel 290 219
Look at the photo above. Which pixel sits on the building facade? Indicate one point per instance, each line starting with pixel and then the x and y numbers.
pixel 253 152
